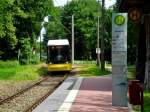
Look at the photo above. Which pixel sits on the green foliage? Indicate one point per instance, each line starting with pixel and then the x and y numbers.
pixel 34 59
pixel 108 34
pixel 8 64
pixel 6 18
pixel 27 54
pixel 132 42
pixel 25 50
pixel 20 24
pixel 8 38
pixel 21 19
pixel 85 12
pixel 54 28
pixel 36 11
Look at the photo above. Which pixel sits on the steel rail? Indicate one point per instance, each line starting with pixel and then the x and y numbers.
pixel 22 91
pixel 30 108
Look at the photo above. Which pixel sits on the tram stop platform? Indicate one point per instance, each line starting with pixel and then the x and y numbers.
pixel 81 95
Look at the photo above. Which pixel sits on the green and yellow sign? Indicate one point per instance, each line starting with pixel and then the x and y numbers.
pixel 119 32
pixel 119 20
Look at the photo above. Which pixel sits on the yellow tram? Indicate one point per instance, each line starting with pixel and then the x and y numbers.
pixel 58 57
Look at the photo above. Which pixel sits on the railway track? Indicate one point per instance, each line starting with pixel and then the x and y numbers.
pixel 30 108
pixel 21 91
pixel 28 98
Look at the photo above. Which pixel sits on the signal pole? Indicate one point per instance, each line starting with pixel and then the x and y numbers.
pixel 72 39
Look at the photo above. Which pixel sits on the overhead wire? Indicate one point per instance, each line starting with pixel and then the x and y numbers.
pixel 60 21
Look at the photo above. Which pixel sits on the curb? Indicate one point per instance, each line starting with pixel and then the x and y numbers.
pixel 130 107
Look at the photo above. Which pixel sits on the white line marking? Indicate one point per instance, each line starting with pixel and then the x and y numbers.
pixel 66 106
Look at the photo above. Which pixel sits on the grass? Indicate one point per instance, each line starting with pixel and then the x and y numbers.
pixel 18 72
pixel 137 108
pixel 146 101
pixel 131 72
pixel 131 75
pixel 90 70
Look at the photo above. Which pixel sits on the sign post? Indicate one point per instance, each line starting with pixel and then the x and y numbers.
pixel 119 59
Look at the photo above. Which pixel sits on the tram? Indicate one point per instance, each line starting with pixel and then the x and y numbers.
pixel 59 55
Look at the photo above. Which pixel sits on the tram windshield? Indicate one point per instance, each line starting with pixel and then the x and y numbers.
pixel 58 54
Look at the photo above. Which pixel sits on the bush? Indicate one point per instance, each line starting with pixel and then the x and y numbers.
pixel 8 64
pixel 24 61
pixel 34 59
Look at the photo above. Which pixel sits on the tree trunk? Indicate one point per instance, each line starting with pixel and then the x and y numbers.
pixel 141 54
pixel 147 68
pixel 102 37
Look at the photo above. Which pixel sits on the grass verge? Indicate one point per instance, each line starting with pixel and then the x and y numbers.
pixel 21 72
pixel 146 101
pixel 131 72
pixel 90 70
pixel 137 108
pixel 131 75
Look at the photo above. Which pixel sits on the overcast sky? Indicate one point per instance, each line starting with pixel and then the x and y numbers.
pixel 63 2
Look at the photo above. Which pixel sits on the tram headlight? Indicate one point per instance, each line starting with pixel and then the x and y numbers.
pixel 66 62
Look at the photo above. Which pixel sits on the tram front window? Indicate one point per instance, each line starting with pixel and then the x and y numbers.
pixel 58 54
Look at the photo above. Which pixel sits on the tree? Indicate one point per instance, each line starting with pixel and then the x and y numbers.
pixel 54 28
pixel 85 26
pixel 21 20
pixel 108 34
pixel 8 38
pixel 25 50
pixel 147 64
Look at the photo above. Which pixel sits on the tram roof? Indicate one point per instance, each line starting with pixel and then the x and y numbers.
pixel 58 42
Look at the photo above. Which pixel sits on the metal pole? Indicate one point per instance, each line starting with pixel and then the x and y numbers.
pixel 40 46
pixel 102 37
pixel 98 53
pixel 72 39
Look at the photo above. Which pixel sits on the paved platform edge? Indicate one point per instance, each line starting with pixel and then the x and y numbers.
pixel 57 100
pixel 67 104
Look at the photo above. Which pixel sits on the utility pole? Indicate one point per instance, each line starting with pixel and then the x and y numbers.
pixel 72 39
pixel 98 48
pixel 40 47
pixel 45 20
pixel 102 37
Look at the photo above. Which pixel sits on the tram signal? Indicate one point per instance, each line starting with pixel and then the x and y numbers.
pixel 134 14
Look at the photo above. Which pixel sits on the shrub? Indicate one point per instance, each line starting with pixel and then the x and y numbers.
pixel 34 59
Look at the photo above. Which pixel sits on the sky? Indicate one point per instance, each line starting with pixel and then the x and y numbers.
pixel 63 2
